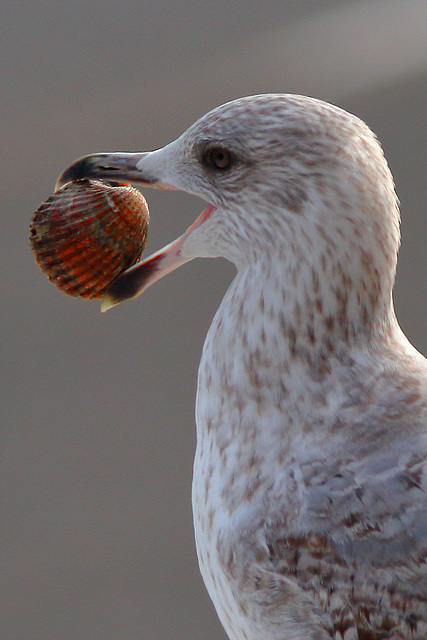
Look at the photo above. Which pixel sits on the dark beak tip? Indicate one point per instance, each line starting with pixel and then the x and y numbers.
pixel 79 170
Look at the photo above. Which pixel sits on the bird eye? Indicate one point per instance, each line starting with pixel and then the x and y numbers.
pixel 218 158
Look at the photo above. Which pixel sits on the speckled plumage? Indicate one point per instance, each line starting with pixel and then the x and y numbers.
pixel 310 474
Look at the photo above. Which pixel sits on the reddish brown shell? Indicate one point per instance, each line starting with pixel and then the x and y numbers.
pixel 87 233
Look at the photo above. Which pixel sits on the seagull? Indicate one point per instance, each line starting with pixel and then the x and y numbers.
pixel 310 474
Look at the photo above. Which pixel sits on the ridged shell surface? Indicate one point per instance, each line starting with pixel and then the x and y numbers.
pixel 87 233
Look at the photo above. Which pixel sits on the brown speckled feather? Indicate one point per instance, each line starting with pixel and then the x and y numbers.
pixel 310 476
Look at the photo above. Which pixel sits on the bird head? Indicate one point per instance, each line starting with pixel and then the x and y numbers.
pixel 284 175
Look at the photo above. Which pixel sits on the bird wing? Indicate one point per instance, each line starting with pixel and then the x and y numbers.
pixel 362 553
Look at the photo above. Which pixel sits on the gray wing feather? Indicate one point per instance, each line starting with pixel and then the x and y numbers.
pixel 363 554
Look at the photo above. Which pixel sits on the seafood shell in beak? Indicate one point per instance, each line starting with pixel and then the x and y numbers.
pixel 87 233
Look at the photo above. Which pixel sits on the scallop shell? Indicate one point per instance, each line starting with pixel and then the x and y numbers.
pixel 87 233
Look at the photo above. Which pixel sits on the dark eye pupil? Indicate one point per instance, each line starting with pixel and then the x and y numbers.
pixel 219 158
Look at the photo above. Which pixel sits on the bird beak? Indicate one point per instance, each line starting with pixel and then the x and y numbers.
pixel 142 169
pixel 121 167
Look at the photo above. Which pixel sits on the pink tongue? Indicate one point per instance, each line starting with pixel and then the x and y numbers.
pixel 134 281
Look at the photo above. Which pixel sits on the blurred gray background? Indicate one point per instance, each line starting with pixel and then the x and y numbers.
pixel 97 410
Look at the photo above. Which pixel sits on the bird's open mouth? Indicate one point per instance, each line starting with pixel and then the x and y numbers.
pixel 134 281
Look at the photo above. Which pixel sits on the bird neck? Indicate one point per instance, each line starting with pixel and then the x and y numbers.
pixel 284 347
pixel 314 300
